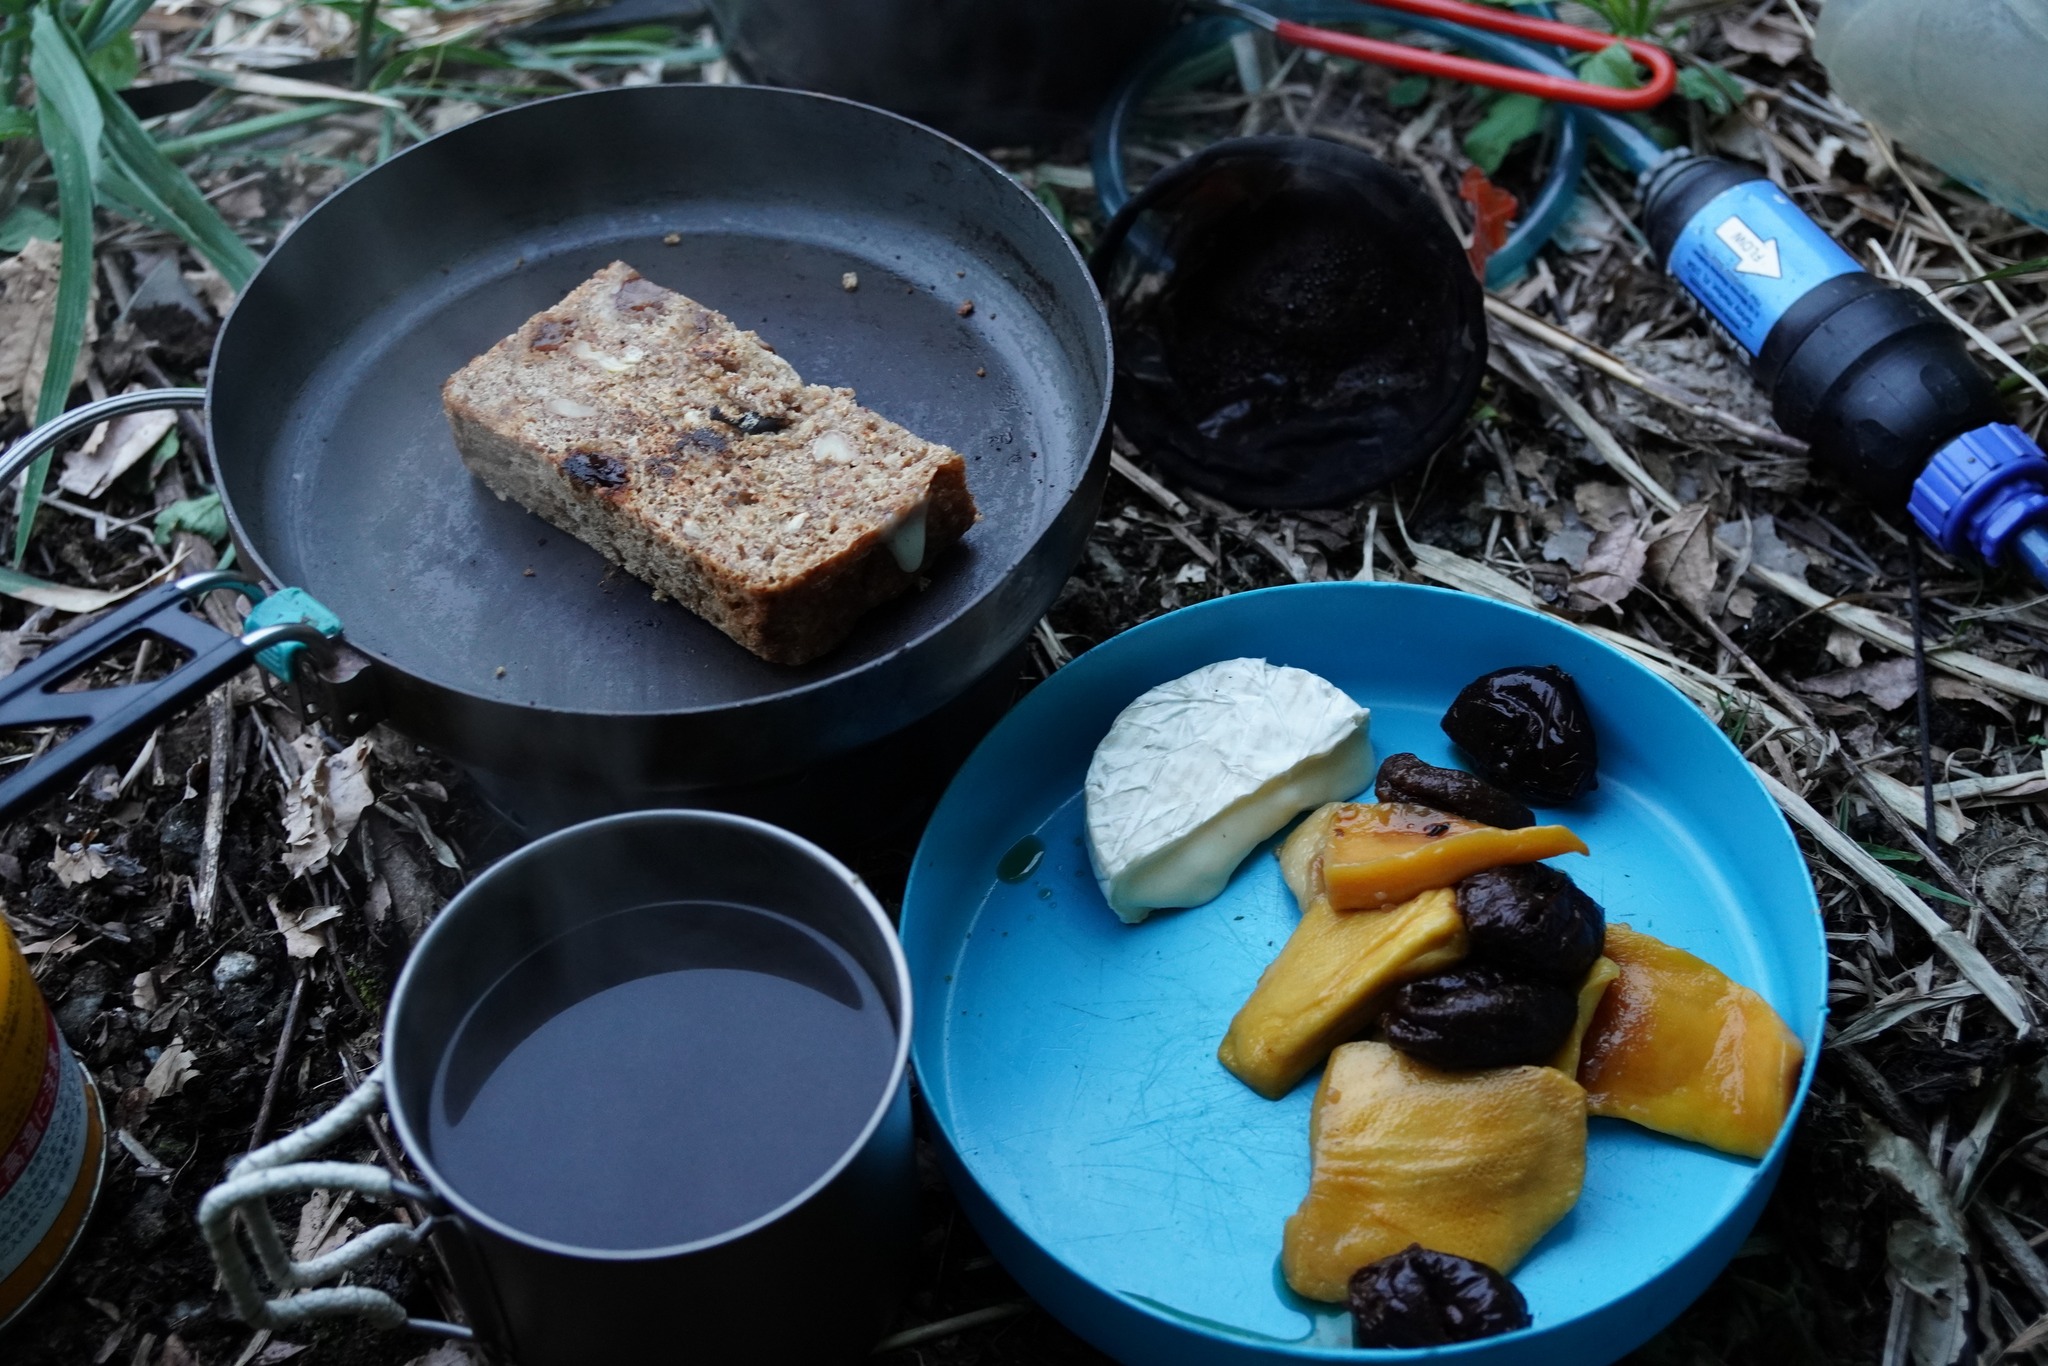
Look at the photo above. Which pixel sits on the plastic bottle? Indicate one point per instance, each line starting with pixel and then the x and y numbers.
pixel 1869 374
pixel 1963 83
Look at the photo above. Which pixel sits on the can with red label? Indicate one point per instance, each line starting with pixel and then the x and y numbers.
pixel 52 1139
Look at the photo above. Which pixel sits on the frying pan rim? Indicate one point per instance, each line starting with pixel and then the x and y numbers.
pixel 1088 453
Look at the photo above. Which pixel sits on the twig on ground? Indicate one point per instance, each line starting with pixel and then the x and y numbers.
pixel 219 724
pixel 1528 371
pixel 2003 995
pixel 1861 620
pixel 944 1328
pixel 1147 485
pixel 1940 221
pixel 1969 329
pixel 1614 367
pixel 277 1063
pixel 2019 1254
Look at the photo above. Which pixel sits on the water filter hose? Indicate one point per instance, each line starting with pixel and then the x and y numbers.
pixel 1544 215
pixel 1869 375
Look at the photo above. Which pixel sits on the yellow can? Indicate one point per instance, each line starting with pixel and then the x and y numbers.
pixel 52 1138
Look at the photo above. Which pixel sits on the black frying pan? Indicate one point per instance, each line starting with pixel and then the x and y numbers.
pixel 340 477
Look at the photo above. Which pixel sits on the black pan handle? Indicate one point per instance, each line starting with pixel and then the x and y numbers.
pixel 32 697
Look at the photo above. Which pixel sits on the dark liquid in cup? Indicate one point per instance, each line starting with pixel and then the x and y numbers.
pixel 659 1076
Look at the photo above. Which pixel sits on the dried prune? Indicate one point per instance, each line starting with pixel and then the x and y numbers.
pixel 595 471
pixel 1532 918
pixel 1527 731
pixel 1405 778
pixel 1419 1298
pixel 1480 1016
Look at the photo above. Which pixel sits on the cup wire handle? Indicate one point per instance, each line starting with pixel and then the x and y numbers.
pixel 278 1168
pixel 85 417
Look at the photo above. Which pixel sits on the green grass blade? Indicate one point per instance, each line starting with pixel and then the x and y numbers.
pixel 67 117
pixel 115 19
pixel 63 81
pixel 192 144
pixel 2005 272
pixel 146 178
pixel 172 194
pixel 1926 888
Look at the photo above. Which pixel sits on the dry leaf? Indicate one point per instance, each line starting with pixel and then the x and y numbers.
pixel 324 805
pixel 1680 557
pixel 1846 646
pixel 1955 690
pixel 1569 545
pixel 377 904
pixel 1889 683
pixel 143 993
pixel 1613 568
pixel 312 1224
pixel 322 1228
pixel 447 1354
pixel 112 449
pixel 176 1353
pixel 1770 549
pixel 79 864
pixel 446 114
pixel 1781 43
pixel 172 1069
pixel 1927 1254
pixel 278 1351
pixel 210 285
pixel 1602 505
pixel 13 650
pixel 1701 367
pixel 297 927
pixel 28 308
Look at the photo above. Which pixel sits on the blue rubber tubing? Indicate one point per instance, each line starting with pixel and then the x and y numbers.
pixel 1553 202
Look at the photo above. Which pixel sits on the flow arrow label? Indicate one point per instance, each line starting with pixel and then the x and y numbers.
pixel 1753 256
pixel 1748 255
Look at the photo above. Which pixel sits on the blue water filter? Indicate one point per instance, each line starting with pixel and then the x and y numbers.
pixel 1871 376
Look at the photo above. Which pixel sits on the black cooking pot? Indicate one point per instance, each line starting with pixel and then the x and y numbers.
pixel 989 71
pixel 511 646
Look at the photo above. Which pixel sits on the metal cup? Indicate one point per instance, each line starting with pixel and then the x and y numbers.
pixel 814 1280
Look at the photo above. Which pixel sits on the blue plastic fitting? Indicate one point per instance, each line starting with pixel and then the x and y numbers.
pixel 1987 491
pixel 289 605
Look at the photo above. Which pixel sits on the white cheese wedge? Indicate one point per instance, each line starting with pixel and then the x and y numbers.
pixel 1195 773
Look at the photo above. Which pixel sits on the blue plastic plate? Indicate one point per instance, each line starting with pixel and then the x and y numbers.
pixel 1133 1186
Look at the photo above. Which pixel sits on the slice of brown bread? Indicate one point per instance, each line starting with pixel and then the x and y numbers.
pixel 691 455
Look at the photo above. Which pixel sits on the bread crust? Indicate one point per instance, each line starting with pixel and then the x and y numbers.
pixel 685 451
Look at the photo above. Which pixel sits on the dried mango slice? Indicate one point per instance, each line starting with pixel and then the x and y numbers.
pixel 1591 991
pixel 1677 1047
pixel 1329 982
pixel 1478 1164
pixel 1382 853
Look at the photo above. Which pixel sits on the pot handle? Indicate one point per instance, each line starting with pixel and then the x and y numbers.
pixel 283 626
pixel 87 416
pixel 276 1169
pixel 30 696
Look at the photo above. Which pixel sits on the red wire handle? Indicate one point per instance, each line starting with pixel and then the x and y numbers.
pixel 1401 56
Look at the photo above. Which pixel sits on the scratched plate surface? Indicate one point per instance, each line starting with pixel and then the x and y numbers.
pixel 1135 1186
